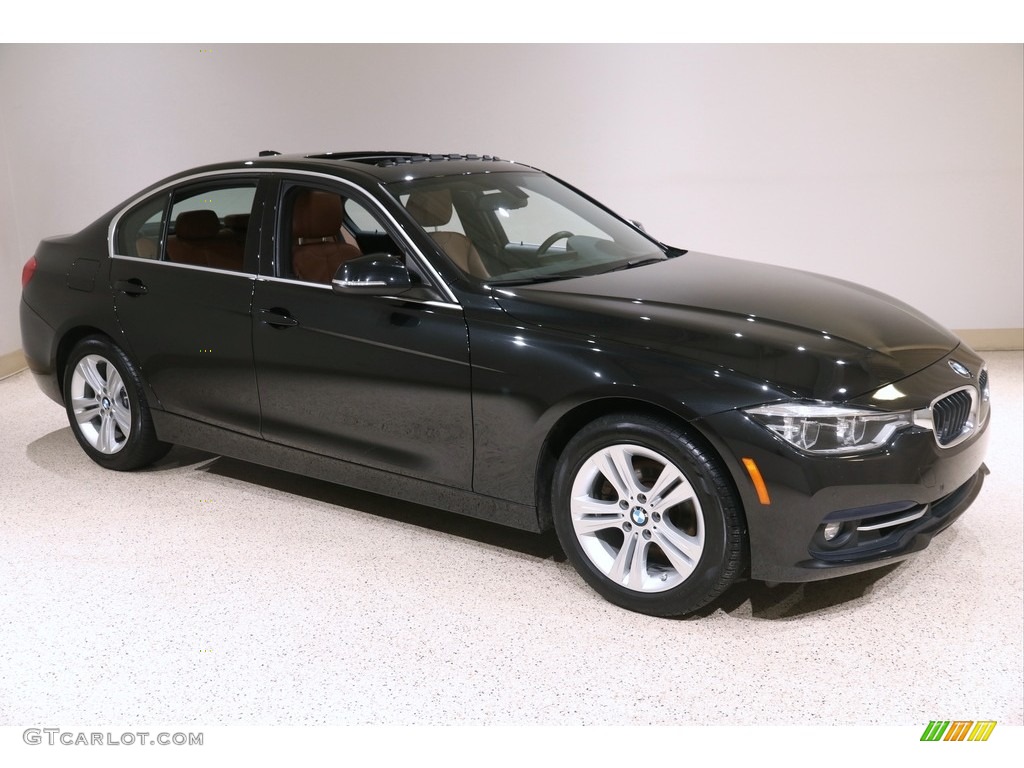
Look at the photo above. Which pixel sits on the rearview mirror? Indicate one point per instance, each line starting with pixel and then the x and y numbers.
pixel 505 199
pixel 377 274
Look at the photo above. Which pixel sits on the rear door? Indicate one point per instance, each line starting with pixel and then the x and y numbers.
pixel 182 272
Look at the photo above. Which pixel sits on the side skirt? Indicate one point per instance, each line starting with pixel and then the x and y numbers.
pixel 193 434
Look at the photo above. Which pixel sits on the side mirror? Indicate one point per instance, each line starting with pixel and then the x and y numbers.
pixel 638 225
pixel 377 274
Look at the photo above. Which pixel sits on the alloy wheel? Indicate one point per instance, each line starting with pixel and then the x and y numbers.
pixel 100 403
pixel 637 518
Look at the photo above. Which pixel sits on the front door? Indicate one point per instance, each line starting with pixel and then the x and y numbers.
pixel 383 382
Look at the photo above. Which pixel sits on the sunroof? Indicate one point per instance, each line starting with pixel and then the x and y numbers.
pixel 395 158
pixel 371 158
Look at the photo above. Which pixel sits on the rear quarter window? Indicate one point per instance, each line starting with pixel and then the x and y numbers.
pixel 139 231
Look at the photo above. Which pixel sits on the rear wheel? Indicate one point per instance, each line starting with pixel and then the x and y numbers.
pixel 106 406
pixel 648 516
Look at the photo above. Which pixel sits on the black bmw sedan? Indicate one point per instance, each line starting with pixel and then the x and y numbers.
pixel 476 335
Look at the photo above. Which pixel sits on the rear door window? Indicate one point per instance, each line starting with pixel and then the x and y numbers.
pixel 202 225
pixel 209 225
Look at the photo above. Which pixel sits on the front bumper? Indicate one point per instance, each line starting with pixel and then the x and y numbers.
pixel 889 503
pixel 877 536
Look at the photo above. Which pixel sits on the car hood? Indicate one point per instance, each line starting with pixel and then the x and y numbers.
pixel 811 335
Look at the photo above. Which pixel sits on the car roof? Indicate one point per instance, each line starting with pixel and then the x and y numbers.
pixel 385 166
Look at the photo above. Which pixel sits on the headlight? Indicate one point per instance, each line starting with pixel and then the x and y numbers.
pixel 830 429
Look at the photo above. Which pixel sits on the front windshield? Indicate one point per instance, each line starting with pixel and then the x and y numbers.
pixel 521 227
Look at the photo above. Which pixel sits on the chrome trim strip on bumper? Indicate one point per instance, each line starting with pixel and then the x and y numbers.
pixel 893 523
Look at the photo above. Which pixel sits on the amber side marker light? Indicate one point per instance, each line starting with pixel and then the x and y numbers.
pixel 758 481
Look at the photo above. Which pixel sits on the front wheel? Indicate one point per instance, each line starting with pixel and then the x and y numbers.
pixel 106 407
pixel 647 516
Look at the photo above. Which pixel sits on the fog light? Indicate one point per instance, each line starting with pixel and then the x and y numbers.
pixel 832 530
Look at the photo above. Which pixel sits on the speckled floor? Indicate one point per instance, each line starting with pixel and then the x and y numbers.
pixel 213 592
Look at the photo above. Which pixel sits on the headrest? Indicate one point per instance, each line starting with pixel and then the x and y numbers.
pixel 317 214
pixel 430 208
pixel 237 222
pixel 196 225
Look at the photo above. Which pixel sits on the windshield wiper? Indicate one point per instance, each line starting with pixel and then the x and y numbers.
pixel 643 261
pixel 532 280
pixel 547 278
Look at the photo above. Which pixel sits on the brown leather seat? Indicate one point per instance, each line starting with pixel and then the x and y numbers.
pixel 193 230
pixel 317 247
pixel 433 208
pixel 199 240
pixel 147 248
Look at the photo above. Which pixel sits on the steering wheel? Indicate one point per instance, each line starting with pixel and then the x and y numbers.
pixel 551 241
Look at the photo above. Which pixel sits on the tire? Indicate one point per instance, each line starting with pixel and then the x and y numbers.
pixel 648 516
pixel 106 407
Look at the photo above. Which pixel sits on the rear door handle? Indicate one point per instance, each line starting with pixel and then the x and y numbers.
pixel 277 318
pixel 133 287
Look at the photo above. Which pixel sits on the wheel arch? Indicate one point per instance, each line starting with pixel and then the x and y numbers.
pixel 573 420
pixel 117 403
pixel 67 343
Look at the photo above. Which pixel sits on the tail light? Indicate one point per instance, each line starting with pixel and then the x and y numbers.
pixel 27 271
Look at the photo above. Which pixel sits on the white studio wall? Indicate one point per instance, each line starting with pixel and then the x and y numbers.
pixel 900 167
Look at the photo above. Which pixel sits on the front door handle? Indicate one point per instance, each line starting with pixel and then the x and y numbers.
pixel 277 318
pixel 133 287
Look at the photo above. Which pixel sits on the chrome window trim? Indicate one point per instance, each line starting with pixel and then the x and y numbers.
pixel 289 281
pixel 394 297
pixel 178 265
pixel 440 284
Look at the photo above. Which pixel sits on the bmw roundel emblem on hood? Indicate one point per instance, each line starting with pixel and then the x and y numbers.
pixel 960 369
